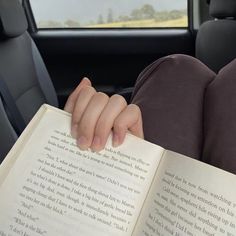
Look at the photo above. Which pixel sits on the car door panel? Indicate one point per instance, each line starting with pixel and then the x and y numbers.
pixel 112 59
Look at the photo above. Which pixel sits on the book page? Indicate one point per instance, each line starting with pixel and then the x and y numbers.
pixel 56 189
pixel 11 158
pixel 189 198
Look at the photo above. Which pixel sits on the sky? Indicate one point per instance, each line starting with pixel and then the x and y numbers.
pixel 89 10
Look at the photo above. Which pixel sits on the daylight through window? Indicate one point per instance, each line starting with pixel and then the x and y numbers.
pixel 110 13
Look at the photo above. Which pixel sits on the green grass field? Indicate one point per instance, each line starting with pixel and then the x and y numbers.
pixel 150 23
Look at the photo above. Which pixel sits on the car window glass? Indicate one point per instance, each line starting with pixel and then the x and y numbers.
pixel 110 13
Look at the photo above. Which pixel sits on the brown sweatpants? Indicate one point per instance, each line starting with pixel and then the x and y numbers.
pixel 189 109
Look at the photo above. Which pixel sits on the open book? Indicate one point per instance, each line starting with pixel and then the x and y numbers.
pixel 48 187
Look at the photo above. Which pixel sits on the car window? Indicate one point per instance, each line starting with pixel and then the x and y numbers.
pixel 110 13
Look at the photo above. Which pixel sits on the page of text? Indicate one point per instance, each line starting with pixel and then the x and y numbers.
pixel 56 189
pixel 189 198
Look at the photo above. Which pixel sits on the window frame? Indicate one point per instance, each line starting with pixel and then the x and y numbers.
pixel 33 25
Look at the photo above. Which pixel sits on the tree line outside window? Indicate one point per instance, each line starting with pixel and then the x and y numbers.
pixel 145 16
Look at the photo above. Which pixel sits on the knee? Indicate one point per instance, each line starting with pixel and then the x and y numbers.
pixel 180 67
pixel 175 71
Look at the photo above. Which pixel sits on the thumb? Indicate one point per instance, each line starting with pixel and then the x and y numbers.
pixel 85 82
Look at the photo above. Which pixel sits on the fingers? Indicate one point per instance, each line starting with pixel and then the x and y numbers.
pixel 88 121
pixel 95 116
pixel 103 115
pixel 105 123
pixel 69 107
pixel 128 120
pixel 83 99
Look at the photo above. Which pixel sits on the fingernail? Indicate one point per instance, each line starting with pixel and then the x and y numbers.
pixel 115 140
pixel 74 129
pixel 82 142
pixel 96 143
pixel 85 78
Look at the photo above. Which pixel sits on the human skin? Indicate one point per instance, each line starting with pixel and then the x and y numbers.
pixel 95 115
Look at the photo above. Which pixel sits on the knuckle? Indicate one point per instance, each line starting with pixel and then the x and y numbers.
pixel 88 89
pixel 134 108
pixel 101 96
pixel 119 99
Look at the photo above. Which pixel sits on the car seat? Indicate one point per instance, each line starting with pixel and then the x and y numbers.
pixel 215 42
pixel 22 70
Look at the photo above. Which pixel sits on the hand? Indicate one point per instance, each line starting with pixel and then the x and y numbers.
pixel 95 115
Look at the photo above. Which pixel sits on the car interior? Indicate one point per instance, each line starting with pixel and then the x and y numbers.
pixel 44 65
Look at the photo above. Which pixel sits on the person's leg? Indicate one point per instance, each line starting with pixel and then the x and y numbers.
pixel 220 120
pixel 170 94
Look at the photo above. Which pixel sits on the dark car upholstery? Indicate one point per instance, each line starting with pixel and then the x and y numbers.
pixel 21 64
pixel 215 43
pixel 22 69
